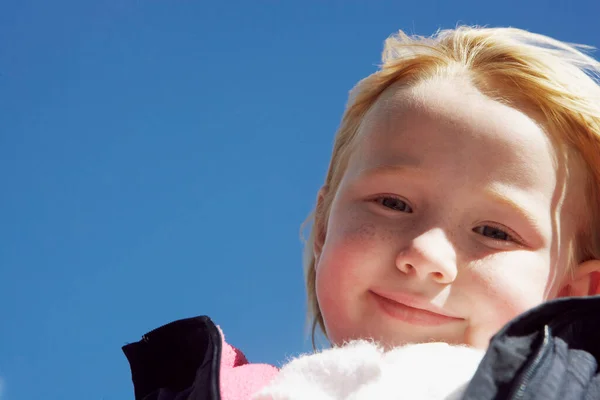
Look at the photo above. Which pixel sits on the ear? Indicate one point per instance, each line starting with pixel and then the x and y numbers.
pixel 583 281
pixel 319 225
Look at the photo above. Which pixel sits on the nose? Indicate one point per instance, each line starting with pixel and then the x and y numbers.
pixel 430 255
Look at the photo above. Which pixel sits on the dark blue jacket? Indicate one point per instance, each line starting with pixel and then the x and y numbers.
pixel 548 353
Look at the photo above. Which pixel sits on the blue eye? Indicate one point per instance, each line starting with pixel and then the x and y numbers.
pixel 395 204
pixel 493 233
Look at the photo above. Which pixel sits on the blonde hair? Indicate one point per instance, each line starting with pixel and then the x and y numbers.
pixel 557 79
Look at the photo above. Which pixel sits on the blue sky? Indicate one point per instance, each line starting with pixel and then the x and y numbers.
pixel 158 157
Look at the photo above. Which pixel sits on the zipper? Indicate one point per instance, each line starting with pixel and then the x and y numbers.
pixel 518 391
pixel 217 344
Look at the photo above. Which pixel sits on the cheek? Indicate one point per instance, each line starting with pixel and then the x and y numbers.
pixel 352 258
pixel 510 285
pixel 355 245
pixel 344 261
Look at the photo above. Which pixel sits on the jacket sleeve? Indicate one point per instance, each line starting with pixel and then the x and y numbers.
pixel 177 361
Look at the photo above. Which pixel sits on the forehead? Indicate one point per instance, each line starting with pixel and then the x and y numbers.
pixel 449 125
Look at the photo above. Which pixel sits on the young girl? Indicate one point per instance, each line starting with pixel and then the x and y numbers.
pixel 461 197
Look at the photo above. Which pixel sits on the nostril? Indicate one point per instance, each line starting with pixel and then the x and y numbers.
pixel 406 268
pixel 438 275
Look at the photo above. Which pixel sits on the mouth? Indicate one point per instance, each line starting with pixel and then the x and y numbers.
pixel 412 311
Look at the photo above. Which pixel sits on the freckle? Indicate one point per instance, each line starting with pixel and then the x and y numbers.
pixel 366 231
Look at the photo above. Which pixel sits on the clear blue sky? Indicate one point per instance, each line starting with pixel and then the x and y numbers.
pixel 158 157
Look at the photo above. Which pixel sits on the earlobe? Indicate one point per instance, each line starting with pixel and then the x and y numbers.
pixel 583 281
pixel 320 225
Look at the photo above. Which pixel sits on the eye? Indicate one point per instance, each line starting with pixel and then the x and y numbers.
pixel 394 203
pixel 493 233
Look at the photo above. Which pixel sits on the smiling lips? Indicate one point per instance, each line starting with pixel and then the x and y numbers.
pixel 411 311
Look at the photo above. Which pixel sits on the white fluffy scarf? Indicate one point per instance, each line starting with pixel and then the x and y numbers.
pixel 362 370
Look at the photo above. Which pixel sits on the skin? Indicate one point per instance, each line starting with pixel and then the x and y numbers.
pixel 452 200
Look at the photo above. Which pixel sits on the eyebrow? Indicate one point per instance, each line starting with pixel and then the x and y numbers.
pixel 531 217
pixel 492 194
pixel 405 164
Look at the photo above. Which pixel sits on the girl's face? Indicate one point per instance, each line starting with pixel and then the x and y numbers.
pixel 451 219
